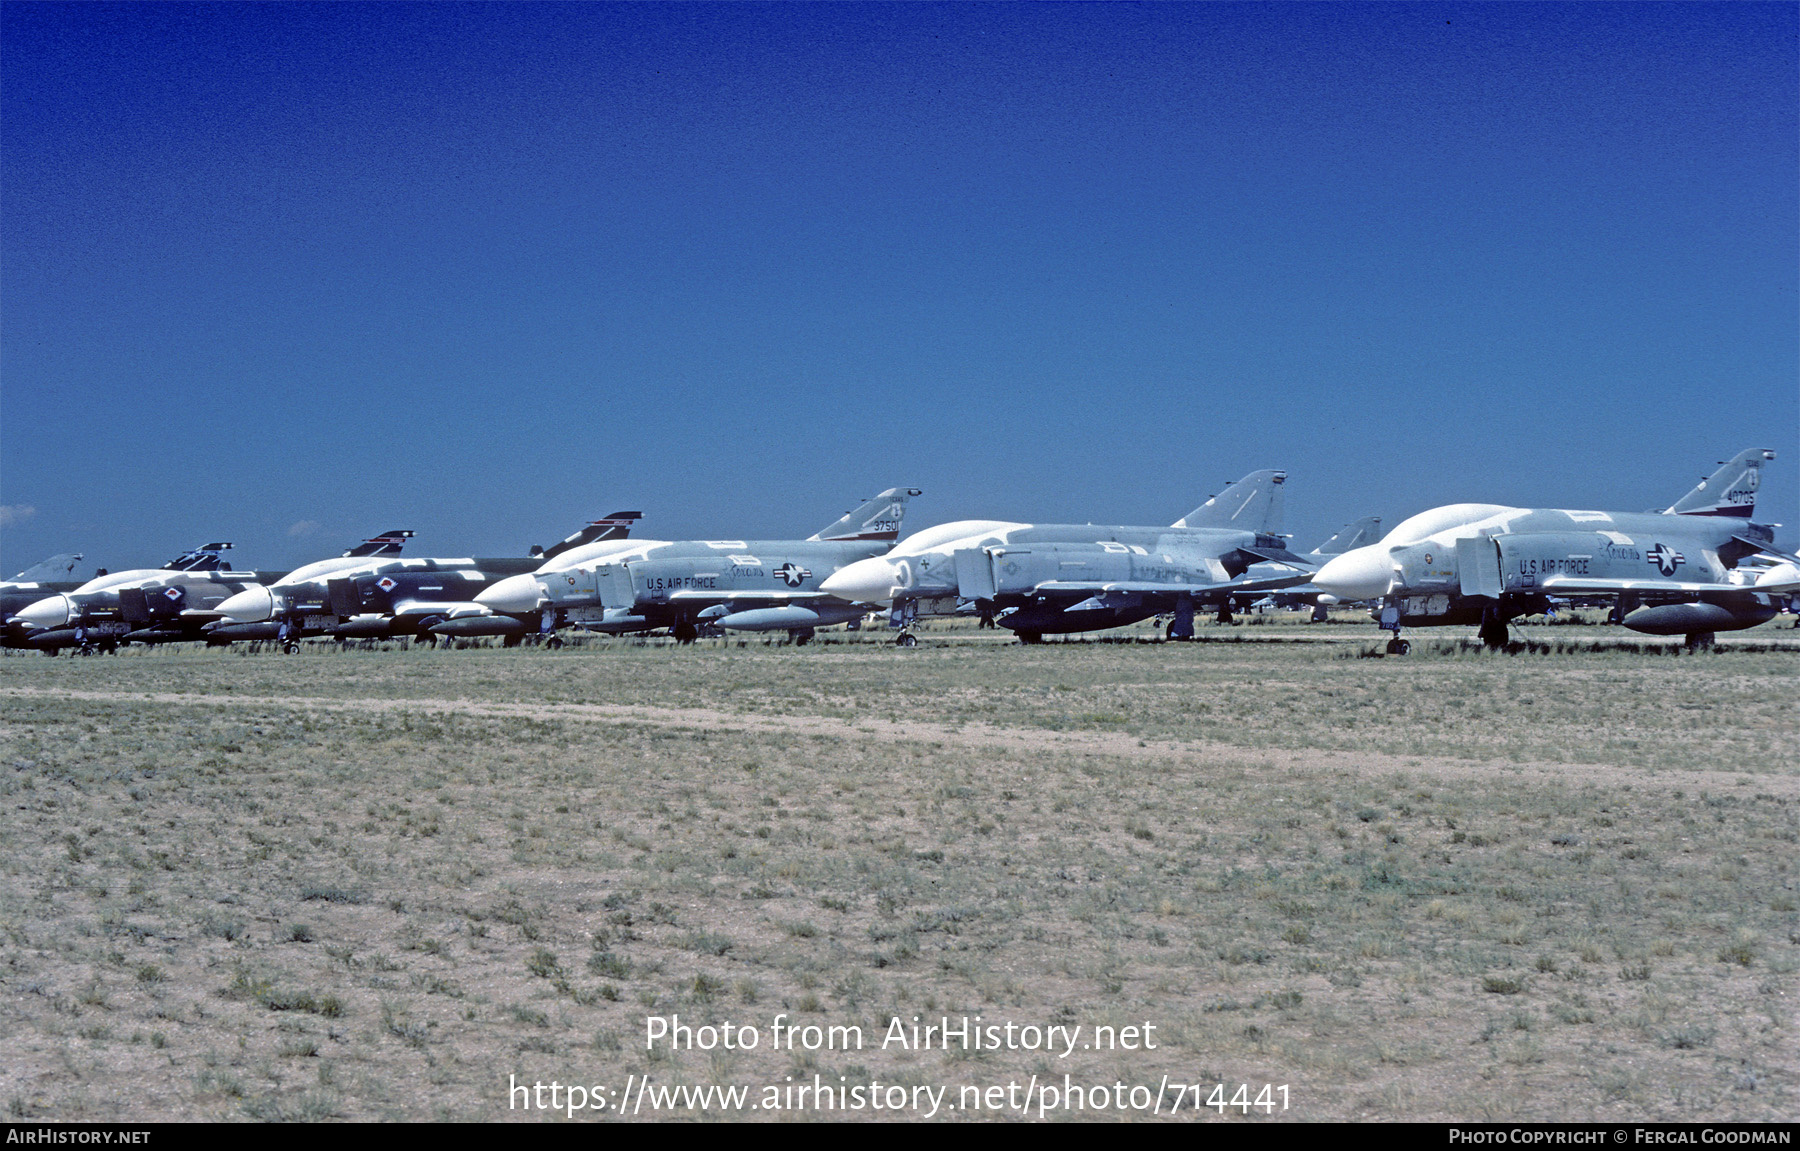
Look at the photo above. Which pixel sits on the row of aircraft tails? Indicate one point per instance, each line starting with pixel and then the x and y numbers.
pixel 1698 567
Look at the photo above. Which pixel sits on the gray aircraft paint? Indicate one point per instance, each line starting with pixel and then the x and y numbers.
pixel 744 585
pixel 1055 578
pixel 372 591
pixel 143 605
pixel 1699 567
pixel 47 577
pixel 1356 534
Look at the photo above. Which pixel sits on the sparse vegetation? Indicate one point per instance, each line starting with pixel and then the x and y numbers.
pixel 369 885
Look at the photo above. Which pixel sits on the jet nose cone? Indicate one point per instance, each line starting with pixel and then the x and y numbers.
pixel 1366 573
pixel 51 611
pixel 514 595
pixel 1782 574
pixel 252 605
pixel 865 581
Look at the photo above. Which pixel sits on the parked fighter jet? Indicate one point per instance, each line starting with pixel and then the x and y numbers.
pixel 41 579
pixel 742 585
pixel 1680 571
pixel 144 605
pixel 230 623
pixel 374 593
pixel 1038 578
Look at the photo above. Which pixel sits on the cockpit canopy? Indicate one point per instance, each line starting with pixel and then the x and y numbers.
pixel 936 537
pixel 118 580
pixel 1440 520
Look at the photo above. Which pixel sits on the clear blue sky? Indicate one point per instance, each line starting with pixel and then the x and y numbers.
pixel 289 274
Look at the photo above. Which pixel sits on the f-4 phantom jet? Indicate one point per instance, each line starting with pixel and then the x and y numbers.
pixel 1053 578
pixel 1698 567
pixel 739 585
pixel 371 592
pixel 41 579
pixel 145 605
pixel 253 614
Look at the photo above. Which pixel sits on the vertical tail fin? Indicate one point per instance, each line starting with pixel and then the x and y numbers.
pixel 202 559
pixel 56 569
pixel 876 519
pixel 1352 536
pixel 616 526
pixel 1730 491
pixel 1253 504
pixel 388 543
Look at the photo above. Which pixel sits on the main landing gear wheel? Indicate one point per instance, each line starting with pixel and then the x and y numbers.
pixel 684 632
pixel 291 647
pixel 906 639
pixel 801 636
pixel 512 641
pixel 1398 646
pixel 1031 637
pixel 1494 634
pixel 554 643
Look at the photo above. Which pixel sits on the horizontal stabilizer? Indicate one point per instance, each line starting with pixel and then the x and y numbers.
pixel 1280 556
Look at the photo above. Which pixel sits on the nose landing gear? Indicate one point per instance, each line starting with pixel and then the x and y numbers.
pixel 1390 621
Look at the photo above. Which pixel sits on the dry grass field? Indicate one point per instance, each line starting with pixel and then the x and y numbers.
pixel 384 884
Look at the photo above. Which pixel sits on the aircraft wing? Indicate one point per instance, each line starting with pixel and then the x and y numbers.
pixel 742 596
pixel 1097 587
pixel 1583 585
pixel 450 609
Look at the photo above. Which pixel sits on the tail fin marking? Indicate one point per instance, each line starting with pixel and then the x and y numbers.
pixel 1253 504
pixel 1730 491
pixel 876 519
